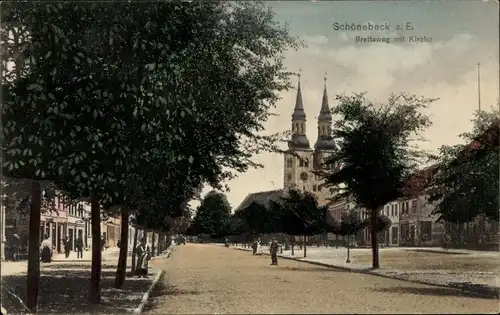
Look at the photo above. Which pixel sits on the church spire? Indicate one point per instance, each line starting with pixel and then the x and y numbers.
pixel 298 111
pixel 324 113
pixel 299 139
pixel 325 141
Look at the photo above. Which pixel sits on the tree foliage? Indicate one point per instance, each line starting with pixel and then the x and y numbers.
pixel 212 215
pixel 139 105
pixel 466 184
pixel 376 151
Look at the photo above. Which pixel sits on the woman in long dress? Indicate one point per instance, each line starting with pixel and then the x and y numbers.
pixel 143 257
pixel 259 248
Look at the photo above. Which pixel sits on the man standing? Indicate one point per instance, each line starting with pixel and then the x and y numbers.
pixel 273 248
pixel 67 246
pixel 79 247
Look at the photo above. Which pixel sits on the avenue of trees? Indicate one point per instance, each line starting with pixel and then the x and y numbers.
pixel 293 214
pixel 134 107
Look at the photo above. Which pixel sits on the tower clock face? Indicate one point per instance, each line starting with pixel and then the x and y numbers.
pixel 304 176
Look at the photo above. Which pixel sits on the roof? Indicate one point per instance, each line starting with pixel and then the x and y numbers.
pixel 263 198
pixel 420 180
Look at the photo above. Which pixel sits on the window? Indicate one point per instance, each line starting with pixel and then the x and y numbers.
pixel 289 162
pixel 396 211
pixel 306 162
pixel 413 206
pixel 332 190
pixel 319 187
pixel 289 177
pixel 301 128
pixel 392 210
pixel 301 162
pixel 315 187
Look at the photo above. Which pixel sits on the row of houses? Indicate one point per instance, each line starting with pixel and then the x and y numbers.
pixel 62 219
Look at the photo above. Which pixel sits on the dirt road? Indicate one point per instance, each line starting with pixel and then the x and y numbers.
pixel 210 279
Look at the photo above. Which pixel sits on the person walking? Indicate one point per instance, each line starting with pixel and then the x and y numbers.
pixel 67 246
pixel 273 249
pixel 79 247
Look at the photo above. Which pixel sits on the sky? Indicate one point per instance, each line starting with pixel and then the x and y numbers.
pixel 461 33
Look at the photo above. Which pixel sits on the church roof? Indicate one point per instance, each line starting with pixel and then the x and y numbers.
pixel 325 143
pixel 299 141
pixel 263 198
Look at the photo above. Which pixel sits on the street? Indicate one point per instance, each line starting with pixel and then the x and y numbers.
pixel 210 279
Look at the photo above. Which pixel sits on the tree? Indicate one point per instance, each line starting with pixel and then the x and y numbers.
pixel 168 83
pixel 212 215
pixel 466 184
pixel 349 226
pixel 301 215
pixel 376 152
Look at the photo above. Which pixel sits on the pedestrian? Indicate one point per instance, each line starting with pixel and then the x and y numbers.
pixel 254 247
pixel 46 250
pixel 16 244
pixel 79 247
pixel 118 243
pixel 259 247
pixel 273 249
pixel 143 257
pixel 67 246
pixel 103 243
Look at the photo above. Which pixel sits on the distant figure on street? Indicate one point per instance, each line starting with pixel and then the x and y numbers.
pixel 16 244
pixel 254 247
pixel 259 247
pixel 103 243
pixel 273 249
pixel 79 247
pixel 46 250
pixel 67 246
pixel 118 243
pixel 143 258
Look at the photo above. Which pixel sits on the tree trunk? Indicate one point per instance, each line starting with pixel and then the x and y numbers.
pixel 134 245
pixel 95 275
pixel 33 277
pixel 373 230
pixel 121 269
pixel 305 247
pixel 293 252
pixel 153 247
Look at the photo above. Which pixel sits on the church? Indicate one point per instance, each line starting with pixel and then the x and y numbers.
pixel 300 160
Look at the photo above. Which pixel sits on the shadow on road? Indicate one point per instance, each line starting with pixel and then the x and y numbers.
pixel 163 289
pixel 64 289
pixel 312 269
pixel 436 291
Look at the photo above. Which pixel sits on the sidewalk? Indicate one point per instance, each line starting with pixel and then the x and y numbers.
pixel 64 286
pixel 485 283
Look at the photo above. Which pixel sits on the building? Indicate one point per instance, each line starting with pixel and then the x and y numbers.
pixel 54 223
pixel 111 230
pixel 391 236
pixel 300 160
pixel 78 222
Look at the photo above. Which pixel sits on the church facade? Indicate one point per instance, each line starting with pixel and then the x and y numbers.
pixel 301 160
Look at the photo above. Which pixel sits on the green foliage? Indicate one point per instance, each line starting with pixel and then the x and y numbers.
pixel 466 184
pixel 375 152
pixel 139 105
pixel 301 215
pixel 212 215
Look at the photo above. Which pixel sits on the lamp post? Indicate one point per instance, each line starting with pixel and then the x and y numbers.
pixel 2 232
pixel 304 177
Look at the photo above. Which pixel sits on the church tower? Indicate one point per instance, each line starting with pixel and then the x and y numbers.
pixel 325 141
pixel 299 139
pixel 297 161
